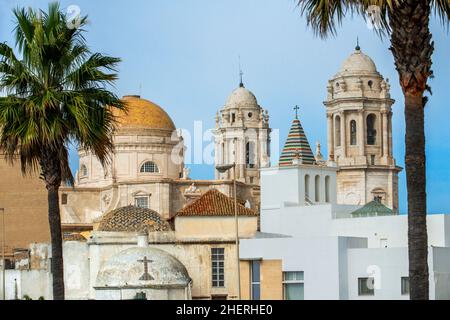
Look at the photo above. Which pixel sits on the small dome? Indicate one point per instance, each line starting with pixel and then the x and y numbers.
pixel 358 62
pixel 133 219
pixel 241 97
pixel 127 268
pixel 143 114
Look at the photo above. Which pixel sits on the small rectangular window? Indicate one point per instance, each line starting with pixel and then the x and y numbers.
pixel 405 285
pixel 372 159
pixel 64 198
pixel 218 267
pixel 141 202
pixel 255 288
pixel 366 287
pixel 293 285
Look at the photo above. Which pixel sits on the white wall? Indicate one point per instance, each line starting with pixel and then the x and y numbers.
pixel 319 258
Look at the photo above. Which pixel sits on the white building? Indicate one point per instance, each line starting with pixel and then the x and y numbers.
pixel 311 247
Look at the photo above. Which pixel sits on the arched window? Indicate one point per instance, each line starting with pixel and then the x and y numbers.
pixel 149 167
pixel 307 187
pixel 371 131
pixel 83 171
pixel 337 130
pixel 250 154
pixel 317 189
pixel 327 189
pixel 353 132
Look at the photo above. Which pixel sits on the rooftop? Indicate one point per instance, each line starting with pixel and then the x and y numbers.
pixel 215 203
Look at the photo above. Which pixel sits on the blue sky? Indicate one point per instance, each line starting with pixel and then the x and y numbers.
pixel 183 55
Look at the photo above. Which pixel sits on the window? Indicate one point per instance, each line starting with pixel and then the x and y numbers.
pixel 293 285
pixel 405 285
pixel 317 188
pixel 218 267
pixel 250 154
pixel 219 297
pixel 233 117
pixel 255 279
pixel 250 114
pixel 141 202
pixel 353 132
pixel 327 189
pixel 255 286
pixel 64 198
pixel 337 129
pixel 149 167
pixel 366 287
pixel 372 159
pixel 83 171
pixel 371 131
pixel 370 84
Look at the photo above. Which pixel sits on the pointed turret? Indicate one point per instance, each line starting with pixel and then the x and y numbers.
pixel 296 147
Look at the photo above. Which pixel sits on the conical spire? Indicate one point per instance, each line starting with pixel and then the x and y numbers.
pixel 296 146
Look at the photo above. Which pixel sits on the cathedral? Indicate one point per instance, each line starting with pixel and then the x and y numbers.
pixel 164 235
pixel 147 168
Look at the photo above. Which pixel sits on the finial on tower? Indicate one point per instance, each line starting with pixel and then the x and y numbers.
pixel 296 108
pixel 241 83
pixel 358 48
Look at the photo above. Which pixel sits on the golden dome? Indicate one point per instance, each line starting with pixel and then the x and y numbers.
pixel 143 114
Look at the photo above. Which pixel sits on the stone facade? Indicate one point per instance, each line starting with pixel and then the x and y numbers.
pixel 242 136
pixel 147 168
pixel 359 119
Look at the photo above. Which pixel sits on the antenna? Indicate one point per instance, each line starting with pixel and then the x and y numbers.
pixel 358 48
pixel 241 83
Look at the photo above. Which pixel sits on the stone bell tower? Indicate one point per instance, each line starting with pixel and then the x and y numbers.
pixel 242 136
pixel 359 115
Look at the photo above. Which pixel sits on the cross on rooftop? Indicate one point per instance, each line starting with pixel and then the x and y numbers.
pixel 145 275
pixel 296 108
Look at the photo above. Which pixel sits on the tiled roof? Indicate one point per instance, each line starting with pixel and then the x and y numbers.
pixel 296 144
pixel 215 203
pixel 371 209
pixel 133 219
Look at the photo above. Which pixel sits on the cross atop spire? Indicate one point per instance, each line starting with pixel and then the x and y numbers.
pixel 358 48
pixel 296 108
pixel 241 83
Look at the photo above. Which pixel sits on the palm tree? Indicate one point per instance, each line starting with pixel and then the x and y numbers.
pixel 407 24
pixel 56 95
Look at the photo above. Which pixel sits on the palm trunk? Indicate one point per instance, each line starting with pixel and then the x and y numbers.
pixel 56 238
pixel 415 180
pixel 51 173
pixel 412 49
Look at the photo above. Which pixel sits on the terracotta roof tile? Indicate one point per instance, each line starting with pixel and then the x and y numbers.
pixel 215 203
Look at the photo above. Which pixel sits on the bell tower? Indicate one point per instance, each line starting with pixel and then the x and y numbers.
pixel 359 121
pixel 242 136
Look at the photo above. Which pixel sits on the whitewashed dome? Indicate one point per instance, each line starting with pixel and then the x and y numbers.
pixel 358 62
pixel 126 269
pixel 241 97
